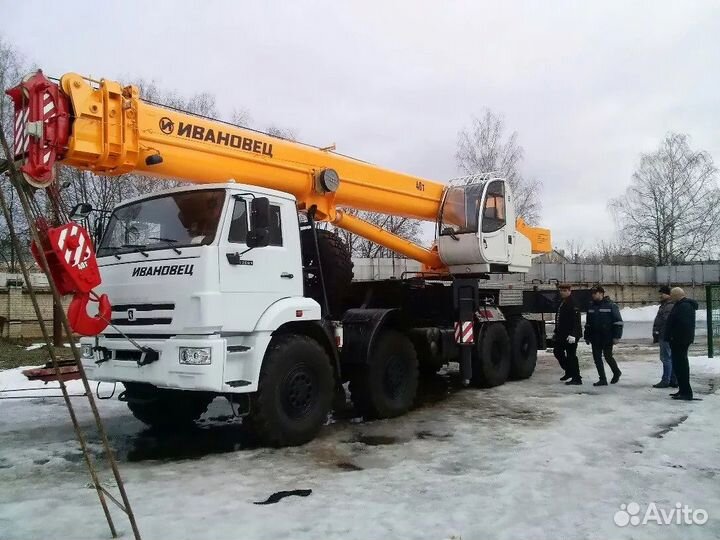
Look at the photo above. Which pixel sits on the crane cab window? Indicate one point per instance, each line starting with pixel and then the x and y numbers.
pixel 493 218
pixel 239 224
pixel 460 210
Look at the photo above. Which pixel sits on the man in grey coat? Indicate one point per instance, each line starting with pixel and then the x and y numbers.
pixel 666 304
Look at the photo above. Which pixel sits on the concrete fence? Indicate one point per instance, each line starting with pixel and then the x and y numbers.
pixel 628 285
pixel 692 274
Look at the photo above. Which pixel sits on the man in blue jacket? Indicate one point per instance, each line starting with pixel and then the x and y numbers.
pixel 603 330
pixel 680 333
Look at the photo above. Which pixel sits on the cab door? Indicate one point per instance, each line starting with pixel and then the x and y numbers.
pixel 495 236
pixel 252 280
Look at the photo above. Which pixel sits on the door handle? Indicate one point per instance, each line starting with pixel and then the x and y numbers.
pixel 287 275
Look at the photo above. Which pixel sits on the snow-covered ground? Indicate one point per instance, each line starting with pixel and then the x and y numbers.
pixel 530 459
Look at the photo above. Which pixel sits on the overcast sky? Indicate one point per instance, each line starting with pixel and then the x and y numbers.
pixel 587 87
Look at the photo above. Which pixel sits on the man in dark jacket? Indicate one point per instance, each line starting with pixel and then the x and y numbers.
pixel 568 330
pixel 603 329
pixel 666 305
pixel 680 333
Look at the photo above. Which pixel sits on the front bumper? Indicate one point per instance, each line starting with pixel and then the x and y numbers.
pixel 166 371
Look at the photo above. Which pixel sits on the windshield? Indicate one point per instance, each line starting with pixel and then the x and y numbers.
pixel 176 220
pixel 461 209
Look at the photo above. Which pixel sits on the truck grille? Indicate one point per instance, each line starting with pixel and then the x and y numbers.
pixel 146 314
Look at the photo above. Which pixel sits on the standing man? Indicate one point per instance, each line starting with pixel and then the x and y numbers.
pixel 603 329
pixel 666 305
pixel 680 333
pixel 568 330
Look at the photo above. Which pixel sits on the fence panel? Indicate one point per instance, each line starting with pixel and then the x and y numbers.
pixel 711 273
pixel 712 299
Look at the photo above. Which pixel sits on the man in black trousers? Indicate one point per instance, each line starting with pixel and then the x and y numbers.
pixel 680 333
pixel 603 329
pixel 568 330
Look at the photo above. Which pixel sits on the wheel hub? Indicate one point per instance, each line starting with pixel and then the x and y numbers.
pixel 299 392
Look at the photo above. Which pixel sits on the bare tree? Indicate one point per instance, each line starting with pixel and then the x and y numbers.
pixel 484 148
pixel 672 207
pixel 407 228
pixel 103 192
pixel 12 68
pixel 283 133
pixel 241 117
pixel 574 250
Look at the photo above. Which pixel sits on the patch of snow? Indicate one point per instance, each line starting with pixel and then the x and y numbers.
pixel 647 313
pixel 13 379
pixel 530 459
pixel 35 346
pixel 705 364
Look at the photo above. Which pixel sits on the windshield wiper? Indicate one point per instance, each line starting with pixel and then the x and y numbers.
pixel 167 241
pixel 113 249
pixel 139 248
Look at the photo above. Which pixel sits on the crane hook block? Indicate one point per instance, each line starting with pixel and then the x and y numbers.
pixel 74 270
pixel 88 325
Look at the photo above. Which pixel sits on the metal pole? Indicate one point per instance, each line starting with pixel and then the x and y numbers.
pixel 709 310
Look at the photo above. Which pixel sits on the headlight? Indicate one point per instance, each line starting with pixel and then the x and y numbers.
pixel 86 350
pixel 195 355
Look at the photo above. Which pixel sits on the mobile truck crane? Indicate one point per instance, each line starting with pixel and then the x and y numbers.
pixel 229 289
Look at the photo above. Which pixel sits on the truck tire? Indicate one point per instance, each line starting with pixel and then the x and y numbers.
pixel 491 357
pixel 294 394
pixel 337 267
pixel 165 409
pixel 523 349
pixel 387 385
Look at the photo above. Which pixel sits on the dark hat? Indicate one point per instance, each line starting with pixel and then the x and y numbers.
pixel 597 288
pixel 664 289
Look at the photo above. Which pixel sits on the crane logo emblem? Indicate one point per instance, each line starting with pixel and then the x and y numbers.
pixel 167 126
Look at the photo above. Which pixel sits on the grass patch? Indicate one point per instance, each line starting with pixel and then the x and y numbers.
pixel 13 353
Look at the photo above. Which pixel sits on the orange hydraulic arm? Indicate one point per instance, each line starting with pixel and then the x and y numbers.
pixel 110 130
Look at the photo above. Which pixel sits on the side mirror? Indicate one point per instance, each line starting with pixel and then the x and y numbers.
pixel 260 213
pixel 80 211
pixel 259 233
pixel 257 238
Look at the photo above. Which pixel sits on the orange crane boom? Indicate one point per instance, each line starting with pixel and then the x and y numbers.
pixel 110 130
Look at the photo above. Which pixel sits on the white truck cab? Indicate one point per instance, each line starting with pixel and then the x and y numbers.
pixel 183 282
